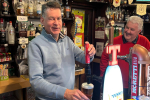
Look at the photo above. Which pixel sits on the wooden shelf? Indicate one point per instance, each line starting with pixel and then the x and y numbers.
pixel 7 15
pixel 80 72
pixel 14 83
pixel 120 21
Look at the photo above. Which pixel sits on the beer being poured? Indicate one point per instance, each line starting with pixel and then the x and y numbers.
pixel 87 87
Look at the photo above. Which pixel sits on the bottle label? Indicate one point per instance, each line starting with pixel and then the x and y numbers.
pixel 30 9
pixel 2 34
pixel 38 9
pixel 23 40
pixel 68 9
pixel 65 31
pixel 11 32
pixel 30 33
pixel 22 11
pixel 22 33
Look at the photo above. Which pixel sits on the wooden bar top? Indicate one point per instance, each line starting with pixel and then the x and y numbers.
pixel 12 84
pixel 16 83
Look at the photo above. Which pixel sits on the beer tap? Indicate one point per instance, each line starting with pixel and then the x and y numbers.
pixel 87 68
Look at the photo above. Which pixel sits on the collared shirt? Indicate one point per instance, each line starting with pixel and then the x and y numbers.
pixel 125 41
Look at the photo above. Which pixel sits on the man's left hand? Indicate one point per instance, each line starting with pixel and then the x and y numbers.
pixel 91 49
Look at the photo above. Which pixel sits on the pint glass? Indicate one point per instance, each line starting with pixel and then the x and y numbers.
pixel 87 89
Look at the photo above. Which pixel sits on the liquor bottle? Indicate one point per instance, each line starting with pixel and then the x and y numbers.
pixel 2 32
pixel 38 32
pixel 64 29
pixel 30 27
pixel 107 13
pixel 11 34
pixel 134 13
pixel 116 14
pixel 5 6
pixel 111 14
pixel 16 26
pixel 62 12
pixel 23 31
pixel 122 15
pixel 147 17
pixel 31 31
pixel 30 8
pixel 67 10
pixel 38 8
pixel 6 30
pixel 120 31
pixel 40 28
pixel 20 8
pixel 119 15
pixel 125 2
pixel 127 15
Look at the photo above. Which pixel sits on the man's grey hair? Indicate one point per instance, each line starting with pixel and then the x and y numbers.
pixel 138 20
pixel 49 5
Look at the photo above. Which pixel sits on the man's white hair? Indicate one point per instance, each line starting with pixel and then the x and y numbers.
pixel 136 19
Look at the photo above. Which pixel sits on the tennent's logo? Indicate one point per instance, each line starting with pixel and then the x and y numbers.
pixel 112 49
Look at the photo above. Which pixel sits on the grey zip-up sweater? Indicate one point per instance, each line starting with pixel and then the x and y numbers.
pixel 52 65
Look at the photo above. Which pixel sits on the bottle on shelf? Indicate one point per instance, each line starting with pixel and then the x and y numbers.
pixel 23 31
pixel 40 28
pixel 134 13
pixel 6 30
pixel 119 15
pixel 111 14
pixel 107 12
pixel 25 3
pixel 16 26
pixel 5 7
pixel 20 8
pixel 2 32
pixel 125 2
pixel 64 29
pixel 122 14
pixel 127 15
pixel 67 10
pixel 30 8
pixel 11 34
pixel 116 14
pixel 147 17
pixel 62 12
pixel 38 32
pixel 38 9
pixel 31 31
pixel 120 31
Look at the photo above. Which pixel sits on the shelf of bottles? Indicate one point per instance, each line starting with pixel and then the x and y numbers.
pixel 120 14
pixel 24 29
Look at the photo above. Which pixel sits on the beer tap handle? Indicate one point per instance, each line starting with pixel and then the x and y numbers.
pixel 87 60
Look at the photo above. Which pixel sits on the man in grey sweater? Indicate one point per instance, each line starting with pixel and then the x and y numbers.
pixel 51 59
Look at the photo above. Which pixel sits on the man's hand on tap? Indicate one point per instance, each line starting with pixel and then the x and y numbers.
pixel 91 49
pixel 74 95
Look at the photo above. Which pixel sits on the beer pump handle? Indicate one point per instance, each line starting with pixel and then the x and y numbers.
pixel 87 68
